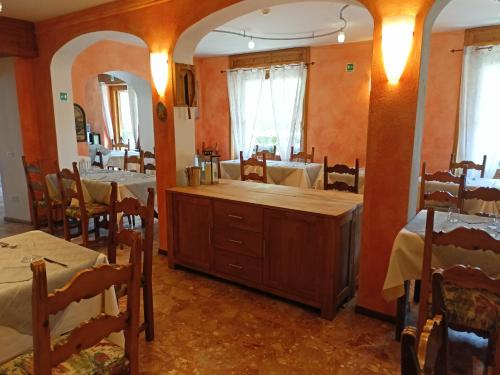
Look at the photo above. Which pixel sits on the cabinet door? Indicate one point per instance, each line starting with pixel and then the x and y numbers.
pixel 193 228
pixel 293 256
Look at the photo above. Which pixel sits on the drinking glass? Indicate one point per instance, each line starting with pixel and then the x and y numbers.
pixel 453 215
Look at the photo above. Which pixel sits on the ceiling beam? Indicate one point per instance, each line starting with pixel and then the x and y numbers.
pixel 17 38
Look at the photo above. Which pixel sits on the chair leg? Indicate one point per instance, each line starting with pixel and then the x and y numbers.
pixel 36 218
pixel 50 220
pixel 148 307
pixel 416 293
pixel 67 229
pixel 84 223
pixel 97 228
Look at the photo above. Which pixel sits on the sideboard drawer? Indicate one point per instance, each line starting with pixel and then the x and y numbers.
pixel 237 265
pixel 239 241
pixel 237 215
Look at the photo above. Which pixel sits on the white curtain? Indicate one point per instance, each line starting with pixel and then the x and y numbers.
pixel 134 113
pixel 288 84
pixel 106 109
pixel 245 89
pixel 479 130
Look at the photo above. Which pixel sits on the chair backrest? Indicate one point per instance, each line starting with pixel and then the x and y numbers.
pixel 302 156
pixel 213 149
pixel 86 284
pixel 98 161
pixel 441 196
pixel 427 354
pixel 484 194
pixel 70 187
pixel 35 180
pixel 341 169
pixel 120 145
pixel 253 162
pixel 270 153
pixel 465 238
pixel 135 159
pixel 466 165
pixel 132 206
pixel 149 166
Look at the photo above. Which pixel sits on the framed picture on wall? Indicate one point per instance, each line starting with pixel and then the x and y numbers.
pixel 80 123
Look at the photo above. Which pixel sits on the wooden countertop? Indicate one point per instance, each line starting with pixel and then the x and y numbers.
pixel 329 203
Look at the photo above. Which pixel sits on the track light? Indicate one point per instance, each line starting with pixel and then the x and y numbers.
pixel 251 44
pixel 341 37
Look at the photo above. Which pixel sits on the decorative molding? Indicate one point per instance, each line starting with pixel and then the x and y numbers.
pixel 17 38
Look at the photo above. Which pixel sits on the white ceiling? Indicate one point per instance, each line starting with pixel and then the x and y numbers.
pixel 300 19
pixel 39 10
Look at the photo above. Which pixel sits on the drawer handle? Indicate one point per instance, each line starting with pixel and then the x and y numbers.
pixel 236 242
pixel 235 217
pixel 238 267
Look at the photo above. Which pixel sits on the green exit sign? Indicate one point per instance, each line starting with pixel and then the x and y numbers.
pixel 349 68
pixel 63 96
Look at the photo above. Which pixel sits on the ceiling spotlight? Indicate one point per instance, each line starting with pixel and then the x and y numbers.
pixel 251 44
pixel 341 37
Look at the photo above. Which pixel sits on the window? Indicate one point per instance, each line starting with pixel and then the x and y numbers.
pixel 479 132
pixel 125 116
pixel 124 113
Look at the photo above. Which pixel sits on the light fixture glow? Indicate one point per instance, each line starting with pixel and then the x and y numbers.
pixel 341 37
pixel 159 71
pixel 397 41
pixel 251 44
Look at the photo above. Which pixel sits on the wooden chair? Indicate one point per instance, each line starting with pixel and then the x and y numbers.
pixel 427 354
pixel 135 159
pixel 483 193
pixel 270 154
pixel 132 206
pixel 466 165
pixel 98 161
pixel 85 348
pixel 470 300
pixel 341 169
pixel 205 148
pixel 151 167
pixel 252 162
pixel 302 156
pixel 120 145
pixel 39 197
pixel 444 197
pixel 75 207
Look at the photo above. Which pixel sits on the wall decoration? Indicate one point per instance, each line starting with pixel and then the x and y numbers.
pixel 80 123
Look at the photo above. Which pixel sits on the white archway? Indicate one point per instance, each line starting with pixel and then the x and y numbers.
pixel 60 70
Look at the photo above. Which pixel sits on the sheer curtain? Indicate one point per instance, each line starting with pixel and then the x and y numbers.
pixel 479 128
pixel 288 84
pixel 106 109
pixel 245 91
pixel 134 113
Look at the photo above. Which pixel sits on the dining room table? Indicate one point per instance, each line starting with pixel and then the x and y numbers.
pixel 63 260
pixel 289 173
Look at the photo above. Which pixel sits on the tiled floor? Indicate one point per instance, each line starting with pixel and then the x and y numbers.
pixel 206 326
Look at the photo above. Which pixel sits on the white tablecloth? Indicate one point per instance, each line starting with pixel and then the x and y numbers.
pixel 15 297
pixel 347 178
pixel 116 158
pixel 408 250
pixel 471 206
pixel 297 174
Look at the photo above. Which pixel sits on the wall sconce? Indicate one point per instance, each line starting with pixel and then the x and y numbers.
pixel 397 41
pixel 159 71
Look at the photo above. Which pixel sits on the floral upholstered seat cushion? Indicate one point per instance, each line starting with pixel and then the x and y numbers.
pixel 92 209
pixel 104 358
pixel 475 308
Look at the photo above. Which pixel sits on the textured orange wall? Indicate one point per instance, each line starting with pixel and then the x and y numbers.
pixel 443 94
pixel 99 58
pixel 213 125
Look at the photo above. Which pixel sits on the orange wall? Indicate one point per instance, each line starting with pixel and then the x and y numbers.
pixel 337 113
pixel 99 58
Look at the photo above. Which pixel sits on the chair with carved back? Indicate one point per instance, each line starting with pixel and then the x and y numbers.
pixel 253 163
pixel 39 197
pixel 302 156
pixel 466 165
pixel 470 300
pixel 425 354
pixel 85 349
pixel 441 199
pixel 98 161
pixel 270 153
pixel 76 207
pixel 468 239
pixel 150 166
pixel 137 160
pixel 132 207
pixel 341 169
pixel 484 194
pixel 120 145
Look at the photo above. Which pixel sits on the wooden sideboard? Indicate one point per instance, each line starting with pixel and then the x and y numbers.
pixel 299 244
